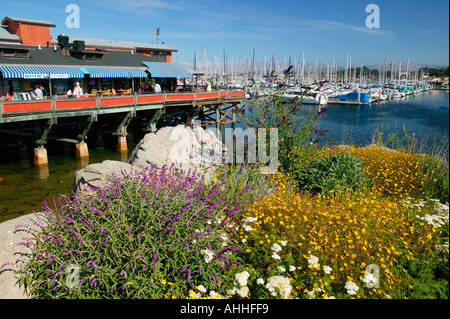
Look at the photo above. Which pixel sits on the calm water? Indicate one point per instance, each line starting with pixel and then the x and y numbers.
pixel 424 114
pixel 25 186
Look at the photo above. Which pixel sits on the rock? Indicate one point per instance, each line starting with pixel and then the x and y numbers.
pixel 13 255
pixel 96 175
pixel 185 148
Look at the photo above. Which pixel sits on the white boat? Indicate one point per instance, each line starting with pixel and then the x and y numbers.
pixel 314 98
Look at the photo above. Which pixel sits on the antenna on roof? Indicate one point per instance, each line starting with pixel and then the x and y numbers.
pixel 157 34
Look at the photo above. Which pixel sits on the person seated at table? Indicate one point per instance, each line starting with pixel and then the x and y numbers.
pixel 7 97
pixel 38 92
pixel 77 91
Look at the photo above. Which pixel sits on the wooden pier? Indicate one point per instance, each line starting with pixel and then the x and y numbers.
pixel 204 108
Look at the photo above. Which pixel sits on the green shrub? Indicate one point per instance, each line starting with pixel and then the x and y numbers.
pixel 339 172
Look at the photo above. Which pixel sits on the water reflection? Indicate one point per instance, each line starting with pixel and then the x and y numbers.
pixel 26 185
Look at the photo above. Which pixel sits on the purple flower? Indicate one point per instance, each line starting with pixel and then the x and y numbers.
pixel 322 110
pixel 288 70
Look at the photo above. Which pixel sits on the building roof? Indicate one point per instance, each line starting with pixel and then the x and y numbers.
pixel 117 44
pixel 47 56
pixel 6 34
pixel 28 21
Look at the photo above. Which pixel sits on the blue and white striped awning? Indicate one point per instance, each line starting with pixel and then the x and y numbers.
pixel 40 72
pixel 167 70
pixel 98 72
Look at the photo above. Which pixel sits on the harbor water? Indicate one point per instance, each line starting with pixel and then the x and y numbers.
pixel 23 186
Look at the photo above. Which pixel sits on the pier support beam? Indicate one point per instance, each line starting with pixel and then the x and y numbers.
pixel 40 153
pixel 40 156
pixel 122 131
pixel 122 142
pixel 81 148
pixel 151 126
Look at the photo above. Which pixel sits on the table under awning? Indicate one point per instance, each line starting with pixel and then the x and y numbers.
pixel 40 72
pixel 105 72
pixel 167 70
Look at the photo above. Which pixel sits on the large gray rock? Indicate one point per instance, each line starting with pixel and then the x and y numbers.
pixel 187 149
pixel 96 175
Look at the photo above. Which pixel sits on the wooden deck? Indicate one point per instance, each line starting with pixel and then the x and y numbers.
pixel 28 110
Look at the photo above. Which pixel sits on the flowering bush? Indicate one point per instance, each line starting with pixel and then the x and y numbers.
pixel 324 244
pixel 148 235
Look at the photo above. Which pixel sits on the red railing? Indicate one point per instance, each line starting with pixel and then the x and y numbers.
pixel 11 107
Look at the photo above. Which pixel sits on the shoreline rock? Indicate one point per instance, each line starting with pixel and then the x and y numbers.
pixel 187 149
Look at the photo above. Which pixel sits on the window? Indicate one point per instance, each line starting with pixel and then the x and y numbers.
pixel 13 53
pixel 88 56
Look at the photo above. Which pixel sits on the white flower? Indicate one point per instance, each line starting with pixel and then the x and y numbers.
pixel 387 296
pixel 311 294
pixel 242 277
pixel 250 219
pixel 283 242
pixel 243 240
pixel 327 269
pixel 281 269
pixel 276 256
pixel 201 288
pixel 292 268
pixel 280 285
pixel 331 297
pixel 248 228
pixel 260 281
pixel 208 255
pixel 243 291
pixel 194 295
pixel 313 260
pixel 351 287
pixel 214 295
pixel 275 247
pixel 368 278
pixel 232 291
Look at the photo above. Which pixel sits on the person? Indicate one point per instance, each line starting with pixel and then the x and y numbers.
pixel 7 97
pixel 77 91
pixel 69 93
pixel 44 91
pixel 38 92
pixel 157 88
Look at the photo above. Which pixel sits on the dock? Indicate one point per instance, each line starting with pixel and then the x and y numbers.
pixel 207 108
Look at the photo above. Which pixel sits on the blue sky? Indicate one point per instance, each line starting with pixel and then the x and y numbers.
pixel 321 30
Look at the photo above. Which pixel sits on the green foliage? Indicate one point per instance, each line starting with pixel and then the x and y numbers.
pixel 149 235
pixel 339 172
